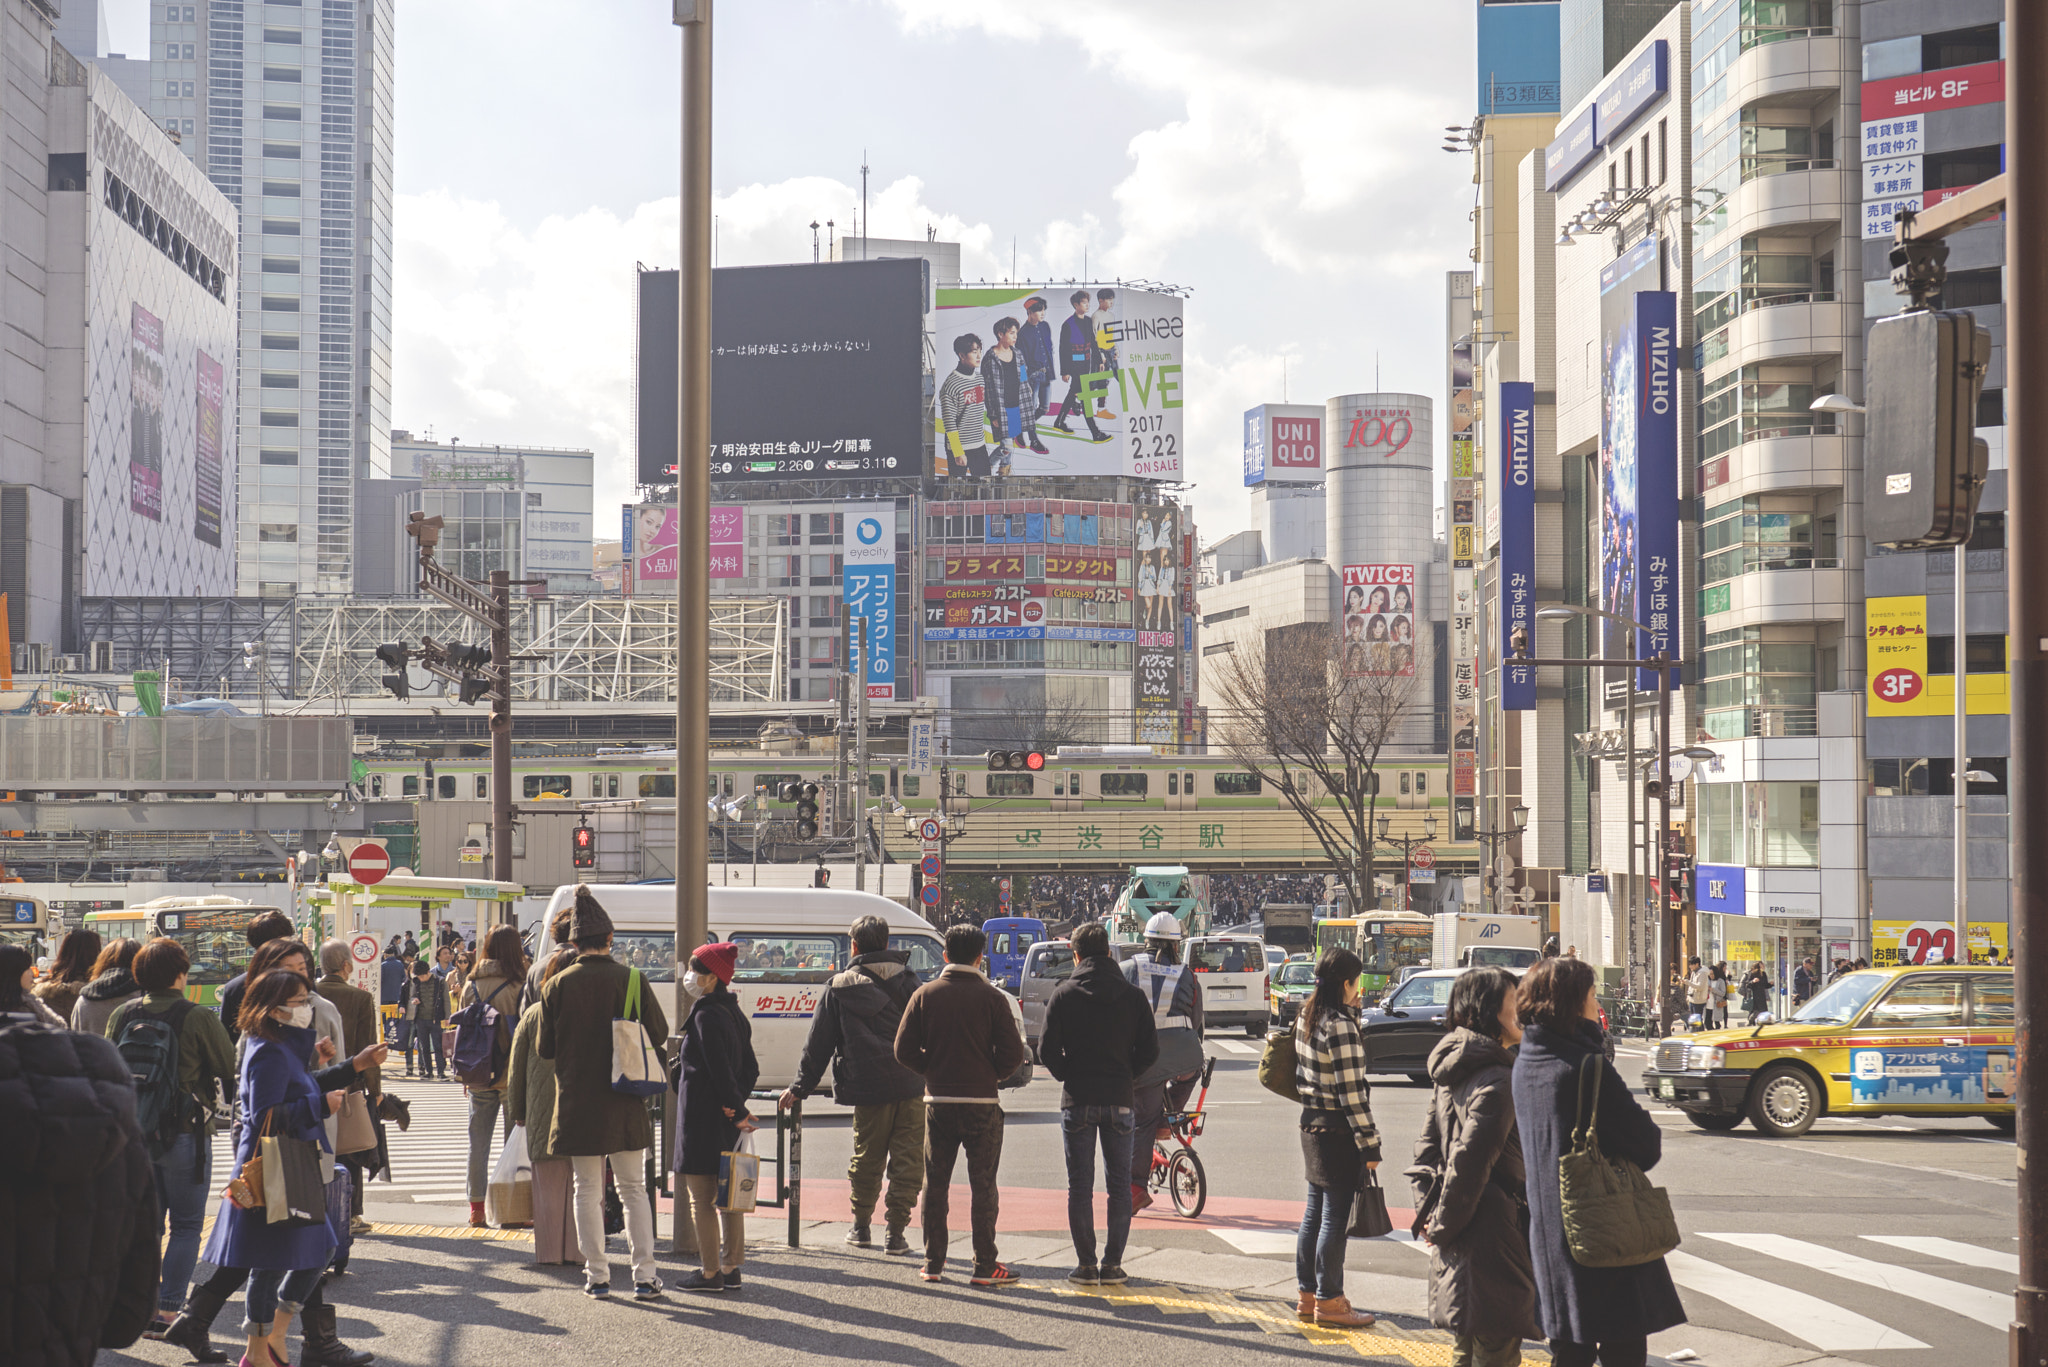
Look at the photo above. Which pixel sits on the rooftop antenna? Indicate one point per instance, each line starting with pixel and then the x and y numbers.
pixel 866 228
pixel 831 249
pixel 1283 379
pixel 814 242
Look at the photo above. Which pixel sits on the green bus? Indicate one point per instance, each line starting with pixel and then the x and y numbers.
pixel 1387 944
pixel 212 930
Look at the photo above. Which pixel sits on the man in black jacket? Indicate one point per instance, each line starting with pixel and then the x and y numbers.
pixel 855 1032
pixel 1099 1034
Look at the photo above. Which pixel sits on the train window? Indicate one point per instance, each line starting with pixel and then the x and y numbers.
pixel 711 786
pixel 1059 783
pixel 1238 785
pixel 409 785
pixel 1187 784
pixel 878 785
pixel 612 785
pixel 483 785
pixel 730 783
pixel 657 785
pixel 1404 783
pixel 1125 784
pixel 1010 785
pixel 445 786
pixel 911 784
pixel 1173 784
pixel 1422 785
pixel 376 785
pixel 544 785
pixel 771 784
pixel 597 785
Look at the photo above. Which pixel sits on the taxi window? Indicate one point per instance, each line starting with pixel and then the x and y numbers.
pixel 1920 1002
pixel 788 958
pixel 1227 956
pixel 1296 975
pixel 1992 1002
pixel 1425 992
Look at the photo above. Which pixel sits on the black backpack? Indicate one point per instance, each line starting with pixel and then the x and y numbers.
pixel 149 1046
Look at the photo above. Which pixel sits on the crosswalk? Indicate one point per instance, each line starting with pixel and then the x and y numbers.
pixel 1837 1297
pixel 430 1161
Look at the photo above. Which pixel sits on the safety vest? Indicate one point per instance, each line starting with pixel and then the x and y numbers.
pixel 1161 985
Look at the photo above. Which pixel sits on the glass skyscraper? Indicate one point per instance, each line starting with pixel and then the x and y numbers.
pixel 287 106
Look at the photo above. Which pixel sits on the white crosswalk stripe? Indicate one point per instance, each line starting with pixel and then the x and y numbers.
pixel 1236 1046
pixel 1810 1319
pixel 430 1161
pixel 1951 1250
pixel 1986 1307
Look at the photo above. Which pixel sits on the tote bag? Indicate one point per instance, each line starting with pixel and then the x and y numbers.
pixel 1613 1217
pixel 1369 1218
pixel 355 1133
pixel 294 1197
pixel 739 1172
pixel 636 1067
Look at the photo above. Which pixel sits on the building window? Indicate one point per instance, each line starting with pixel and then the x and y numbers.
pixel 1784 824
pixel 1754 686
pixel 268 457
pixel 277 531
pixel 1987 654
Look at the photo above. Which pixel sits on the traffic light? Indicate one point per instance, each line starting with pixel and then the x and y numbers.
pixel 395 654
pixel 468 657
pixel 472 688
pixel 1016 759
pixel 1923 470
pixel 583 848
pixel 806 810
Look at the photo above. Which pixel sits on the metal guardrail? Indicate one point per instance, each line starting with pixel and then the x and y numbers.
pixel 788 1160
pixel 176 753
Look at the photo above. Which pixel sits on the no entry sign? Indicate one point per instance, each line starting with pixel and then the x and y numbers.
pixel 369 862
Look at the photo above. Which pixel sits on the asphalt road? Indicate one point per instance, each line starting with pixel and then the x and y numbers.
pixel 1879 1242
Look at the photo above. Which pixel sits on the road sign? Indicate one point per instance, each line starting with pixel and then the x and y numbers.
pixel 369 862
pixel 928 829
pixel 929 894
pixel 362 953
pixel 929 866
pixel 1421 874
pixel 1003 886
pixel 1425 858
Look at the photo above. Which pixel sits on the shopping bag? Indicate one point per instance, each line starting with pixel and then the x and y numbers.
pixel 509 1200
pixel 1369 1218
pixel 739 1172
pixel 340 1200
pixel 294 1197
pixel 353 1132
pixel 636 1067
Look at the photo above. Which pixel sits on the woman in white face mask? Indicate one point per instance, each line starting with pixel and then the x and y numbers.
pixel 280 1095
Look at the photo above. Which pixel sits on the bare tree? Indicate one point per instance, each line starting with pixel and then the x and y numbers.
pixel 1031 721
pixel 1314 730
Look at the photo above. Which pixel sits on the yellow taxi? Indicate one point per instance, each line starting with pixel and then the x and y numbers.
pixel 1932 1040
pixel 1288 988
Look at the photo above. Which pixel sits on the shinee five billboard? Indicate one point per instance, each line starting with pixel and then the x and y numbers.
pixel 1065 380
pixel 816 371
pixel 1639 459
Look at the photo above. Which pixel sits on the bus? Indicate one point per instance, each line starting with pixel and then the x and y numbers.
pixel 1387 943
pixel 25 921
pixel 213 931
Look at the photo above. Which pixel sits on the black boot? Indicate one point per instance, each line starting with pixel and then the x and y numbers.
pixel 321 1348
pixel 188 1331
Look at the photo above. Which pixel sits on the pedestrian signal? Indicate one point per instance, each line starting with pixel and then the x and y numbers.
pixel 583 848
pixel 805 796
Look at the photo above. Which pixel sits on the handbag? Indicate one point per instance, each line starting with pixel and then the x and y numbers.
pixel 1369 1218
pixel 1613 1216
pixel 294 1197
pixel 353 1131
pixel 1276 1066
pixel 739 1173
pixel 245 1189
pixel 636 1067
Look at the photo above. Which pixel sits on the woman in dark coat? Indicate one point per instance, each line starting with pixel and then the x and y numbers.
pixel 718 1072
pixel 1608 1312
pixel 1468 1179
pixel 279 1094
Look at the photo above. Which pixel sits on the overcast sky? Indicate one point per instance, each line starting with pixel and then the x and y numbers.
pixel 1281 161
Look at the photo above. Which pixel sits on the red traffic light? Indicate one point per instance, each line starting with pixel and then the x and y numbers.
pixel 1034 759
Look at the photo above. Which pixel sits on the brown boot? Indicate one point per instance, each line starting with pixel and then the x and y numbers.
pixel 476 1216
pixel 1305 1310
pixel 1336 1313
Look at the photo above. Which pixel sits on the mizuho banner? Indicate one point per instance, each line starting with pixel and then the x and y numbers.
pixel 1639 459
pixel 1517 540
pixel 870 558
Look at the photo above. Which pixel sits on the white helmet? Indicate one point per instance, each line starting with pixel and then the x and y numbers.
pixel 1164 925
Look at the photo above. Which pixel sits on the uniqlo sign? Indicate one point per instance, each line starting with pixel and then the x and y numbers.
pixel 1955 88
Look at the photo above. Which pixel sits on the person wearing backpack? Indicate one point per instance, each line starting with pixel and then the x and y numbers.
pixel 179 1055
pixel 483 1050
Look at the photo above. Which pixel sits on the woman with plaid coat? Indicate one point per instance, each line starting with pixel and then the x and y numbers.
pixel 1339 1142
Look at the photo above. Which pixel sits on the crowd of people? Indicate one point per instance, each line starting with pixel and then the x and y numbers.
pixel 1235 899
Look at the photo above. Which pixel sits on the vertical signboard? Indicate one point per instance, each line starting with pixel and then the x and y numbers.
pixel 1620 532
pixel 1379 620
pixel 871 591
pixel 146 414
pixel 206 470
pixel 1158 625
pixel 1656 480
pixel 1517 540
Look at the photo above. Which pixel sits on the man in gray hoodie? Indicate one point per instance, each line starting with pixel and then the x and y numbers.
pixel 855 1033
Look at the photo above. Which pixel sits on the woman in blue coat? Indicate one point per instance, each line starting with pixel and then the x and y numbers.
pixel 718 1071
pixel 276 1087
pixel 1585 1312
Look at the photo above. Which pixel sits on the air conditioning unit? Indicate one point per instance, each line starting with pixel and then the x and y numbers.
pixel 31 657
pixel 100 657
pixel 71 664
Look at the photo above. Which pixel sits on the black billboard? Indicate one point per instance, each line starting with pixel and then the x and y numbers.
pixel 816 371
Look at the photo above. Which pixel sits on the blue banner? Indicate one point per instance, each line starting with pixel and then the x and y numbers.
pixel 1656 512
pixel 871 593
pixel 1517 540
pixel 1634 89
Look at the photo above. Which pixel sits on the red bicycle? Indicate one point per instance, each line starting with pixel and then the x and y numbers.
pixel 1176 1170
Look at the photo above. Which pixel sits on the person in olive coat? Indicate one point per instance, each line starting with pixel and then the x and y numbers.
pixel 530 1099
pixel 1608 1312
pixel 1468 1178
pixel 594 1123
pixel 718 1072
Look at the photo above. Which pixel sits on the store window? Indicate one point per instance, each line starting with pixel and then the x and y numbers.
pixel 1784 824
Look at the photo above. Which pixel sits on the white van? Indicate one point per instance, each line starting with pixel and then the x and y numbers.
pixel 792 941
pixel 1231 970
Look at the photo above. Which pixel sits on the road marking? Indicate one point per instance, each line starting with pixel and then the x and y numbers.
pixel 1952 1250
pixel 1809 1319
pixel 1985 1307
pixel 1258 1241
pixel 1237 1046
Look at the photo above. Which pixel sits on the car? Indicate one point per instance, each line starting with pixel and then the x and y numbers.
pixel 1292 981
pixel 1231 970
pixel 1275 956
pixel 1926 1040
pixel 1401 1031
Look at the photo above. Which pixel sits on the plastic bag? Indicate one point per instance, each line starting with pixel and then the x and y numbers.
pixel 509 1201
pixel 739 1172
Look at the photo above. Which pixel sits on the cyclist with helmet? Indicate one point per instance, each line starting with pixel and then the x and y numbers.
pixel 1176 1000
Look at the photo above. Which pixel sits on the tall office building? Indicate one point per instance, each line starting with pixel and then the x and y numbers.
pixel 287 107
pixel 1594 36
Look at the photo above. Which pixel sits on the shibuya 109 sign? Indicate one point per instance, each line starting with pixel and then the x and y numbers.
pixel 1380 432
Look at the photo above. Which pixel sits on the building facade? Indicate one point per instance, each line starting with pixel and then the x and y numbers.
pixel 288 109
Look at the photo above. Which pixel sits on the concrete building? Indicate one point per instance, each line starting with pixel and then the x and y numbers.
pixel 289 111
pixel 1237 613
pixel 1595 35
pixel 1230 558
pixel 117 458
pixel 944 257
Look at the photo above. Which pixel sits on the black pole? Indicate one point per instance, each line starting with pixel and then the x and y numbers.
pixel 501 727
pixel 1674 930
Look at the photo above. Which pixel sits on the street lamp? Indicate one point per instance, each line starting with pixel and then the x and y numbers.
pixel 1493 841
pixel 1407 843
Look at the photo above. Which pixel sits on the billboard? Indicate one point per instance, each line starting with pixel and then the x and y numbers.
pixel 1571 151
pixel 651 543
pixel 1382 431
pixel 1901 683
pixel 1633 90
pixel 1283 444
pixel 1517 540
pixel 816 371
pixel 1379 620
pixel 1068 380
pixel 206 447
pixel 1518 57
pixel 870 580
pixel 1157 622
pixel 1638 459
pixel 146 414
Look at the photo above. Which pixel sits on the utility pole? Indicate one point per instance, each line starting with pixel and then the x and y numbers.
pixel 2026 335
pixel 501 727
pixel 860 765
pixel 693 486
